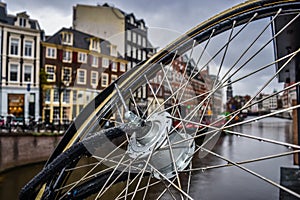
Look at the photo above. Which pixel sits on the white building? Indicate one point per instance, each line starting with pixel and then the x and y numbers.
pixel 125 31
pixel 20 39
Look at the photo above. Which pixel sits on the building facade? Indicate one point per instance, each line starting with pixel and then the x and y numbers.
pixel 77 66
pixel 20 38
pixel 128 33
pixel 190 95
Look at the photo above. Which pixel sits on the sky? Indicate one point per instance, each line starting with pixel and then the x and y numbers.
pixel 174 15
pixel 167 19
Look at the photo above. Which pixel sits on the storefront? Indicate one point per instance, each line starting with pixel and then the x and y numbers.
pixel 16 104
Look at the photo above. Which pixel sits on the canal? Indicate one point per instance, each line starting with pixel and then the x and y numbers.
pixel 222 183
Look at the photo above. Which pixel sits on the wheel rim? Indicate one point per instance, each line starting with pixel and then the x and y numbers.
pixel 160 156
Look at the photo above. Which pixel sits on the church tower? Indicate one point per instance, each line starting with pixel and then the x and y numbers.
pixel 229 91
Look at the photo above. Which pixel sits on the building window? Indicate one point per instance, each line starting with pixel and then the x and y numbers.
pixel 128 50
pixel 113 78
pixel 14 46
pixel 67 56
pixel 74 111
pixel 139 56
pixel 47 95
pixel 56 113
pixel 129 66
pixel 65 114
pixel 128 35
pixel 114 67
pixel 81 76
pixel 28 48
pixel 105 62
pixel 80 97
pixel 50 52
pixel 139 40
pixel 67 38
pixel 13 73
pixel 82 57
pixel 133 37
pixel 144 91
pixel 94 78
pixel 74 96
pixel 50 70
pixel 133 52
pixel 55 95
pixel 66 74
pixel 122 67
pixel 22 22
pixel 94 61
pixel 95 46
pixel 113 50
pixel 144 55
pixel 66 96
pixel 104 80
pixel 144 42
pixel 28 73
pixel 131 20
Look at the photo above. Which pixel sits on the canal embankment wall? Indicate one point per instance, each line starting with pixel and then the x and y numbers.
pixel 17 150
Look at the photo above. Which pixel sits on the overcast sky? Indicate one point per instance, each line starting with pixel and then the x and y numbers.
pixel 175 15
pixel 169 18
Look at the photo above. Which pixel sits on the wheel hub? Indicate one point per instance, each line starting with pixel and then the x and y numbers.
pixel 169 151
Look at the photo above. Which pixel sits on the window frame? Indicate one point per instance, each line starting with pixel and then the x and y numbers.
pixel 31 48
pixel 67 59
pixel 51 50
pixel 17 73
pixel 11 47
pixel 113 78
pixel 114 66
pixel 22 21
pixel 56 95
pixel 78 77
pixel 96 78
pixel 102 79
pixel 67 38
pixel 66 96
pixel 63 74
pixel 95 45
pixel 95 58
pixel 104 62
pixel 31 73
pixel 79 59
pixel 51 73
pixel 122 67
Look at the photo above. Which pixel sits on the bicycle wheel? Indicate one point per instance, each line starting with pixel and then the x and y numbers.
pixel 158 150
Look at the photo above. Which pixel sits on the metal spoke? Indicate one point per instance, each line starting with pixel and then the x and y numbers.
pixel 165 190
pixel 160 84
pixel 101 192
pixel 254 173
pixel 174 185
pixel 74 184
pixel 143 171
pixel 248 48
pixel 134 103
pixel 240 162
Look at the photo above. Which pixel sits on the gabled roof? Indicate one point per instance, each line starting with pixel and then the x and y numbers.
pixel 10 19
pixel 81 40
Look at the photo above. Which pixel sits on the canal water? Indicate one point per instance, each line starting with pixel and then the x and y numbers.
pixel 223 183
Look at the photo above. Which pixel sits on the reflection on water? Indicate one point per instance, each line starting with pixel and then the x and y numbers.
pixel 222 183
pixel 234 183
pixel 12 181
